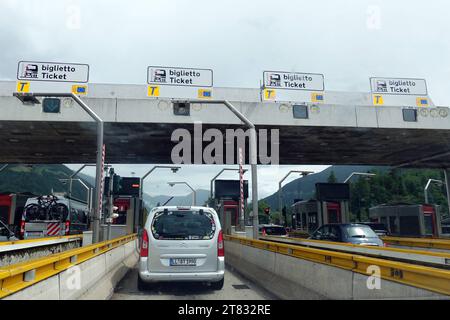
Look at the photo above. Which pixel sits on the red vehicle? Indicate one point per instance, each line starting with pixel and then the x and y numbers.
pixel 11 209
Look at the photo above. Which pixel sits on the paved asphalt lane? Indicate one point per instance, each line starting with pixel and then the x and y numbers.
pixel 235 287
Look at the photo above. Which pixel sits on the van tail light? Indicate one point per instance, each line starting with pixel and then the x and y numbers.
pixel 264 233
pixel 144 244
pixel 67 228
pixel 22 228
pixel 220 246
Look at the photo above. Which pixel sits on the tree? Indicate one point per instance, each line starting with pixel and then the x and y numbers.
pixel 332 177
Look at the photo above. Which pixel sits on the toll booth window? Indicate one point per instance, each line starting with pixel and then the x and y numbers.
pixel 300 111
pixel 428 224
pixel 410 115
pixel 4 214
pixel 183 225
pixel 393 225
pixel 409 226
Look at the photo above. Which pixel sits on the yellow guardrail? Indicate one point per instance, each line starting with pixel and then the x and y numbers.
pixel 433 279
pixel 419 242
pixel 21 275
pixel 344 245
pixel 5 243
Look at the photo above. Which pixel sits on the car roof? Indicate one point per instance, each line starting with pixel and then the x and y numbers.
pixel 182 207
pixel 346 224
pixel 270 225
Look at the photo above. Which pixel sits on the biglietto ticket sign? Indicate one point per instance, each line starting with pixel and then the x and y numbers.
pixel 52 71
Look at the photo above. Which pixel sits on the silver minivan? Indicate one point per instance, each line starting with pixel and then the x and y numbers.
pixel 182 244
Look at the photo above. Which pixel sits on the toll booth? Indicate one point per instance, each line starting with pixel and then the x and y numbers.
pixel 229 215
pixel 445 227
pixel 125 197
pixel 226 196
pixel 411 220
pixel 331 206
pixel 128 211
pixel 310 214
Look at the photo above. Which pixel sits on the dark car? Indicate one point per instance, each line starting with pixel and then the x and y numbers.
pixel 272 230
pixel 348 232
pixel 379 228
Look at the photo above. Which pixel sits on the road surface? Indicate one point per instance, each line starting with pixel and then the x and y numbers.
pixel 235 287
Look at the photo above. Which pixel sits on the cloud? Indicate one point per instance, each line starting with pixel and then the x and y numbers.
pixel 237 39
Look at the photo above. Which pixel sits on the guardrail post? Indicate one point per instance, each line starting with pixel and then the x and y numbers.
pixel 29 275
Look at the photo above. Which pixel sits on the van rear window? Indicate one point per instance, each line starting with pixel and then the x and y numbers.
pixel 183 225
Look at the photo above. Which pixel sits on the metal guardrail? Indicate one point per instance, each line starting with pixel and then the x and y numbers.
pixel 433 279
pixel 419 242
pixel 16 277
pixel 6 243
pixel 415 256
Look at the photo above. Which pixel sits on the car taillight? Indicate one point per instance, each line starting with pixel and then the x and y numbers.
pixel 67 227
pixel 264 233
pixel 220 246
pixel 144 244
pixel 22 228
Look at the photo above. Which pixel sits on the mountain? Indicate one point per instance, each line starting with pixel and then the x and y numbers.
pixel 39 180
pixel 305 187
pixel 152 201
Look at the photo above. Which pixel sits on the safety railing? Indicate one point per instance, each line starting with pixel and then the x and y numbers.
pixel 419 242
pixel 26 241
pixel 433 279
pixel 416 256
pixel 16 277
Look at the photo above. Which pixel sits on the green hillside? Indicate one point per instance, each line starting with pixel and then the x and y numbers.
pixel 39 180
pixel 387 186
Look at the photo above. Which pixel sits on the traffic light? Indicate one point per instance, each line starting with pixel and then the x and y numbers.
pixel 117 184
pixel 130 186
pixel 123 186
pixel 267 210
pixel 51 105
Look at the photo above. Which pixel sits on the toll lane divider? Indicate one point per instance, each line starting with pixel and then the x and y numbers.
pixel 433 279
pixel 7 243
pixel 415 256
pixel 419 242
pixel 16 277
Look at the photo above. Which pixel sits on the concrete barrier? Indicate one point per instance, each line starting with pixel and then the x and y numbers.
pixel 92 279
pixel 292 278
pixel 19 252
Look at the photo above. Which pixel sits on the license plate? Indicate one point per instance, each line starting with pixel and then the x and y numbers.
pixel 183 262
pixel 34 234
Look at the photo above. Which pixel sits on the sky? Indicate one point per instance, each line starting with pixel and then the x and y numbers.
pixel 347 41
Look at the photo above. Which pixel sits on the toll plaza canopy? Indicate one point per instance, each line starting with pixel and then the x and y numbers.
pixel 345 129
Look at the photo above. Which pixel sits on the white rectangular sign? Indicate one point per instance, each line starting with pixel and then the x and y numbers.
pixel 174 76
pixel 399 86
pixel 293 80
pixel 53 71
